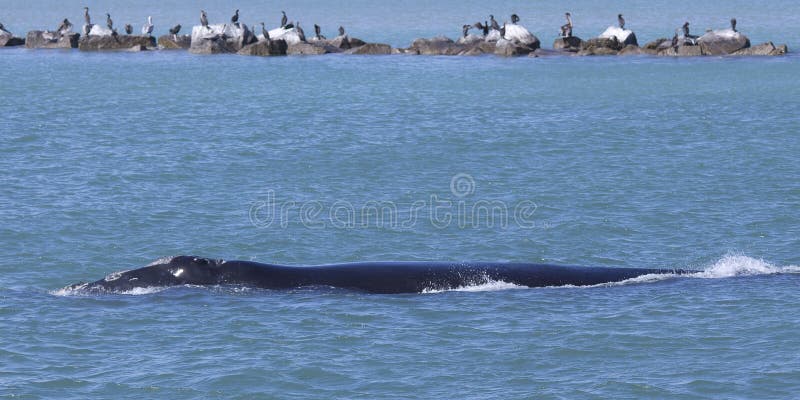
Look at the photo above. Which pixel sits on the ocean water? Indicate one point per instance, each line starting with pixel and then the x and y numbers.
pixel 110 161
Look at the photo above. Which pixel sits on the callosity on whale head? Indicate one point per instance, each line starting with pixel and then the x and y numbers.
pixel 171 271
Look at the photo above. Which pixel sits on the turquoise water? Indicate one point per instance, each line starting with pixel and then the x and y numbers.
pixel 109 161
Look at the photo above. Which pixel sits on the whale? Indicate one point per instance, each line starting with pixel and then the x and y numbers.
pixel 370 277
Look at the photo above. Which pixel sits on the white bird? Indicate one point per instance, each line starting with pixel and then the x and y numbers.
pixel 147 29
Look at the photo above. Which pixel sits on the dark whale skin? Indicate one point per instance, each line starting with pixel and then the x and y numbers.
pixel 371 277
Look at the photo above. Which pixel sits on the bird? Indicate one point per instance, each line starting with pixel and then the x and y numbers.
pixel 128 29
pixel 495 25
pixel 733 24
pixel 3 28
pixel 514 19
pixel 204 19
pixel 64 27
pixel 621 21
pixel 109 22
pixel 675 41
pixel 174 31
pixel 318 32
pixel 503 31
pixel 86 16
pixel 341 31
pixel 300 32
pixel 265 32
pixel 284 20
pixel 465 30
pixel 483 27
pixel 147 29
pixel 566 29
pixel 235 18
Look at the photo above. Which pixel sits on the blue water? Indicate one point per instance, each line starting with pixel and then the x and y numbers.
pixel 109 161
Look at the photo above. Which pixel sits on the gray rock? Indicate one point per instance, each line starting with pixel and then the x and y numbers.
pixel 689 51
pixel 372 48
pixel 631 50
pixel 480 48
pixel 355 42
pixel 601 47
pixel 212 46
pixel 173 42
pixel 208 40
pixel 438 46
pixel 571 44
pixel 9 40
pixel 764 49
pixel 507 48
pixel 51 40
pixel 342 42
pixel 112 43
pixel 304 49
pixel 722 42
pixel 265 48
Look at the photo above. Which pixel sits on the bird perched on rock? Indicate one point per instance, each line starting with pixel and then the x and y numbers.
pixel 341 31
pixel 465 30
pixel 495 25
pixel 483 27
pixel 109 22
pixel 675 42
pixel 566 29
pixel 147 28
pixel 318 33
pixel 514 19
pixel 204 19
pixel 86 16
pixel 235 19
pixel 621 21
pixel 64 27
pixel 300 32
pixel 733 24
pixel 174 31
pixel 265 32
pixel 128 29
pixel 284 20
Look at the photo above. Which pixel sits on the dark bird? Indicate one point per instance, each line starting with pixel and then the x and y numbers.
pixel 204 19
pixel 621 21
pixel 109 22
pixel 174 31
pixel 503 31
pixel 675 41
pixel 300 32
pixel 483 27
pixel 128 29
pixel 265 32
pixel 566 29
pixel 284 20
pixel 86 16
pixel 686 34
pixel 495 25
pixel 64 27
pixel 514 19
pixel 235 18
pixel 341 31
pixel 318 32
pixel 465 30
pixel 733 24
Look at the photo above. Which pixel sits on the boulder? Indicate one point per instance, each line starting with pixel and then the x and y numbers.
pixel 631 50
pixel 355 42
pixel 469 40
pixel 438 46
pixel 521 36
pixel 306 49
pixel 115 42
pixel 99 30
pixel 624 36
pixel 722 42
pixel 174 42
pixel 685 50
pixel 342 42
pixel 207 40
pixel 479 48
pixel 571 44
pixel 7 39
pixel 601 47
pixel 508 48
pixel 372 48
pixel 290 35
pixel 493 36
pixel 265 48
pixel 51 40
pixel 764 49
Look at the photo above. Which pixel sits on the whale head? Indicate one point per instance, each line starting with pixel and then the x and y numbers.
pixel 170 271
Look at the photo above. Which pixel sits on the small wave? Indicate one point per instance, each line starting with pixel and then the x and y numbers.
pixel 83 291
pixel 733 265
pixel 488 286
